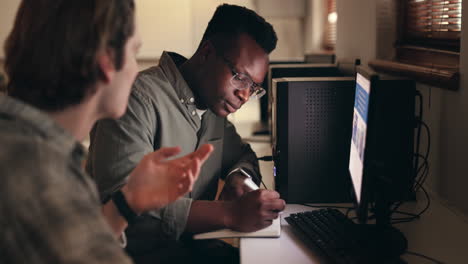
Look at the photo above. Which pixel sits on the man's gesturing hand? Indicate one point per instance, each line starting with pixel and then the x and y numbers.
pixel 157 181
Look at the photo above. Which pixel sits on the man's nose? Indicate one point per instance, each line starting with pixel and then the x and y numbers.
pixel 243 95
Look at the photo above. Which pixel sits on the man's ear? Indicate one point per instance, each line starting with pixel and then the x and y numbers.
pixel 206 49
pixel 106 67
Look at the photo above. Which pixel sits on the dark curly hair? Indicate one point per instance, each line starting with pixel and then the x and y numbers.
pixel 229 21
pixel 51 53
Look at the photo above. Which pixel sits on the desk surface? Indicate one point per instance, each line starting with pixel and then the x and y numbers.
pixel 440 234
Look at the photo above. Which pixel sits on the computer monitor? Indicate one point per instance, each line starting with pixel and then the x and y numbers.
pixel 358 142
pixel 381 154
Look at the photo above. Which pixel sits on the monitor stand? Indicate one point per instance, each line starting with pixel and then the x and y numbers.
pixel 381 242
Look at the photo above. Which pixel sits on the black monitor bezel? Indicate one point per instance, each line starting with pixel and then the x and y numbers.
pixel 362 206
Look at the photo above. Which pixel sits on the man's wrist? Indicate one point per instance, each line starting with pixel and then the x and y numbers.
pixel 122 202
pixel 130 198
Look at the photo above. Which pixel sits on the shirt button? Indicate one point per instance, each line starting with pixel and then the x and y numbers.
pixel 192 99
pixel 194 112
pixel 182 100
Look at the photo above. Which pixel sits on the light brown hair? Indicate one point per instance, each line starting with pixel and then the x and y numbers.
pixel 51 53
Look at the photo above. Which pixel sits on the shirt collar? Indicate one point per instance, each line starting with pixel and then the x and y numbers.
pixel 170 63
pixel 41 124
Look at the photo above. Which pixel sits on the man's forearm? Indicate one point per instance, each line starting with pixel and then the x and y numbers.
pixel 207 216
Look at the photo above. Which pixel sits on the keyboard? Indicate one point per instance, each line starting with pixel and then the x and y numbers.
pixel 339 238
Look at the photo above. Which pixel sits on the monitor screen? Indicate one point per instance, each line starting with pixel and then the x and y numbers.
pixel 358 140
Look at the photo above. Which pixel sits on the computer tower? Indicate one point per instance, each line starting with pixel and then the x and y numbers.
pixel 311 134
pixel 291 69
pixel 320 58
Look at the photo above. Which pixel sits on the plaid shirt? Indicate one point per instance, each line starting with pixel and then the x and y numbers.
pixel 49 207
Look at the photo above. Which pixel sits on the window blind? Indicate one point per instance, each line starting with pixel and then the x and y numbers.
pixel 330 29
pixel 433 20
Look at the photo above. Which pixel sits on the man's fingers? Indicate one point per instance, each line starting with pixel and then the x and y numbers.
pixel 194 168
pixel 276 205
pixel 270 216
pixel 270 194
pixel 183 185
pixel 203 152
pixel 164 153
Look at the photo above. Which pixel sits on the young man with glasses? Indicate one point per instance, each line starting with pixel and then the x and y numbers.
pixel 186 102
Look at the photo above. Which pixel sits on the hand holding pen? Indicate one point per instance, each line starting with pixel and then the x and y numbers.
pixel 256 208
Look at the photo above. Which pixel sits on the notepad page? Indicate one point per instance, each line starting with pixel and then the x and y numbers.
pixel 274 230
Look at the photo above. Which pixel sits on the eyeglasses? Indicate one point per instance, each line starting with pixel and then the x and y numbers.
pixel 242 81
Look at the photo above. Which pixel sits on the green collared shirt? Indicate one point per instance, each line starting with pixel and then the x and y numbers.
pixel 162 113
pixel 49 207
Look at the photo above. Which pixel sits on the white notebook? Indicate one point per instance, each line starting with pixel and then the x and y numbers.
pixel 274 230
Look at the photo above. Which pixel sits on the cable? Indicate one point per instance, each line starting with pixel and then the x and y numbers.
pixel 420 180
pixel 428 132
pixel 419 171
pixel 418 215
pixel 423 168
pixel 428 150
pixel 418 135
pixel 422 173
pixel 417 184
pixel 405 213
pixel 424 256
